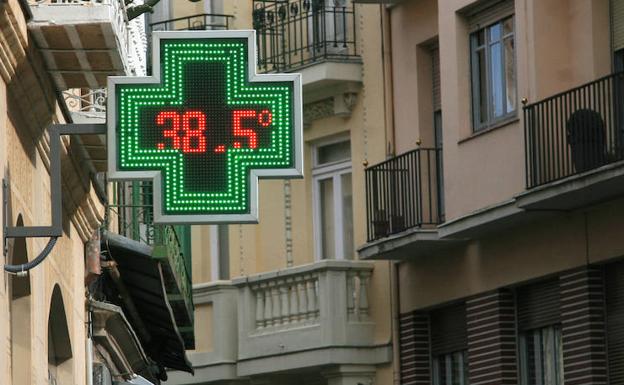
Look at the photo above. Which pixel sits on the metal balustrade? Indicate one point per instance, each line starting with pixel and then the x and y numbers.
pixel 296 33
pixel 574 131
pixel 201 21
pixel 404 192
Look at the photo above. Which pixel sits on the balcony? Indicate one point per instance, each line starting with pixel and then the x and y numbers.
pixel 575 146
pixel 402 193
pixel 305 318
pixel 82 41
pixel 202 21
pixel 314 38
pixel 404 205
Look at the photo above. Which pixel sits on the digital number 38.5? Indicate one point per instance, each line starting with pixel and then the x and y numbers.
pixel 186 131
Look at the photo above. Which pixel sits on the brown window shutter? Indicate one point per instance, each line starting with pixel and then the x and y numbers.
pixel 614 282
pixel 485 13
pixel 448 329
pixel 538 305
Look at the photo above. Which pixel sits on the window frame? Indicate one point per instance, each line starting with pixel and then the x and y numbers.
pixel 320 172
pixel 490 120
pixel 523 362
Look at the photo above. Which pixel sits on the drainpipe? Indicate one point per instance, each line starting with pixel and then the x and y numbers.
pixel 89 346
pixel 395 308
pixel 385 23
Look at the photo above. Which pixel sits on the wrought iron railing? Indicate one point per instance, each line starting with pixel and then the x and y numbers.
pixel 86 101
pixel 295 33
pixel 404 192
pixel 202 21
pixel 574 131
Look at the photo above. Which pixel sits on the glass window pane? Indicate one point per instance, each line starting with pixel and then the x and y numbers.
pixel 334 152
pixel 496 82
pixel 326 187
pixel 495 32
pixel 347 216
pixel 510 75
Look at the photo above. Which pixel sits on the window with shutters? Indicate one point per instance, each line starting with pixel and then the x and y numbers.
pixel 493 65
pixel 539 326
pixel 449 345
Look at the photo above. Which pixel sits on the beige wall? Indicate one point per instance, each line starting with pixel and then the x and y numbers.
pixel 27 106
pixel 260 248
pixel 559 44
pixel 514 256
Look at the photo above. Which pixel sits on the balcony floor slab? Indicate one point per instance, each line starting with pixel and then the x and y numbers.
pixel 374 355
pixel 412 243
pixel 577 191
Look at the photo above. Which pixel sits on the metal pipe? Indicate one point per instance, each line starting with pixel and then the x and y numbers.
pixel 89 347
pixel 22 270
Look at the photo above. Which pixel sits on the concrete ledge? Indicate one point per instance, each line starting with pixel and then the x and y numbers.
pixel 326 79
pixel 576 191
pixel 408 244
pixel 343 355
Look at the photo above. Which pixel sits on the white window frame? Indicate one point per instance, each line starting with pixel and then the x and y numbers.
pixel 333 170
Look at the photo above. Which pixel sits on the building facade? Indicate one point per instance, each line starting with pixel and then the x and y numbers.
pixel 110 303
pixel 286 300
pixel 503 206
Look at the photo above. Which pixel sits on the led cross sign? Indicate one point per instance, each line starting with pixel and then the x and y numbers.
pixel 205 127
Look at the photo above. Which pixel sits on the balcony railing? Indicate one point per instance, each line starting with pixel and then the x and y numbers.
pixel 296 33
pixel 86 101
pixel 315 306
pixel 575 131
pixel 404 192
pixel 202 21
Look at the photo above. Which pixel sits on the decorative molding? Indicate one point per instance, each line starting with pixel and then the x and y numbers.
pixel 338 105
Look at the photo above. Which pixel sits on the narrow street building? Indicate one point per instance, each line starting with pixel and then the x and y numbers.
pixel 106 303
pixel 502 209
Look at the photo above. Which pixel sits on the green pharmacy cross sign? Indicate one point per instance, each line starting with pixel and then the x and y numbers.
pixel 204 127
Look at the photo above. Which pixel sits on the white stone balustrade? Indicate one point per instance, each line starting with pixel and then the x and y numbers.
pixel 318 307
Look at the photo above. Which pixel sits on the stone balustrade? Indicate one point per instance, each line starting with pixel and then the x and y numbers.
pixel 315 307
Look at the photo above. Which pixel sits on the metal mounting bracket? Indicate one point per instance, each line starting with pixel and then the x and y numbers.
pixel 56 227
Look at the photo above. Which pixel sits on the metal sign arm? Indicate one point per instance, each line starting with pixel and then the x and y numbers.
pixel 55 230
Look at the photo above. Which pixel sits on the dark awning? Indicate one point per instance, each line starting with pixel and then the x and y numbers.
pixel 148 309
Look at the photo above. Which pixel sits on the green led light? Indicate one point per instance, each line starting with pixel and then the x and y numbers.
pixel 205 126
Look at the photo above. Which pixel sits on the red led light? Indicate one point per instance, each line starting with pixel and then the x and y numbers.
pixel 237 124
pixel 198 132
pixel 265 118
pixel 172 132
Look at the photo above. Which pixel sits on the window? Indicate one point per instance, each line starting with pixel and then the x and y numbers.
pixel 493 73
pixel 450 369
pixel 541 356
pixel 333 200
pixel 539 326
pixel 449 345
